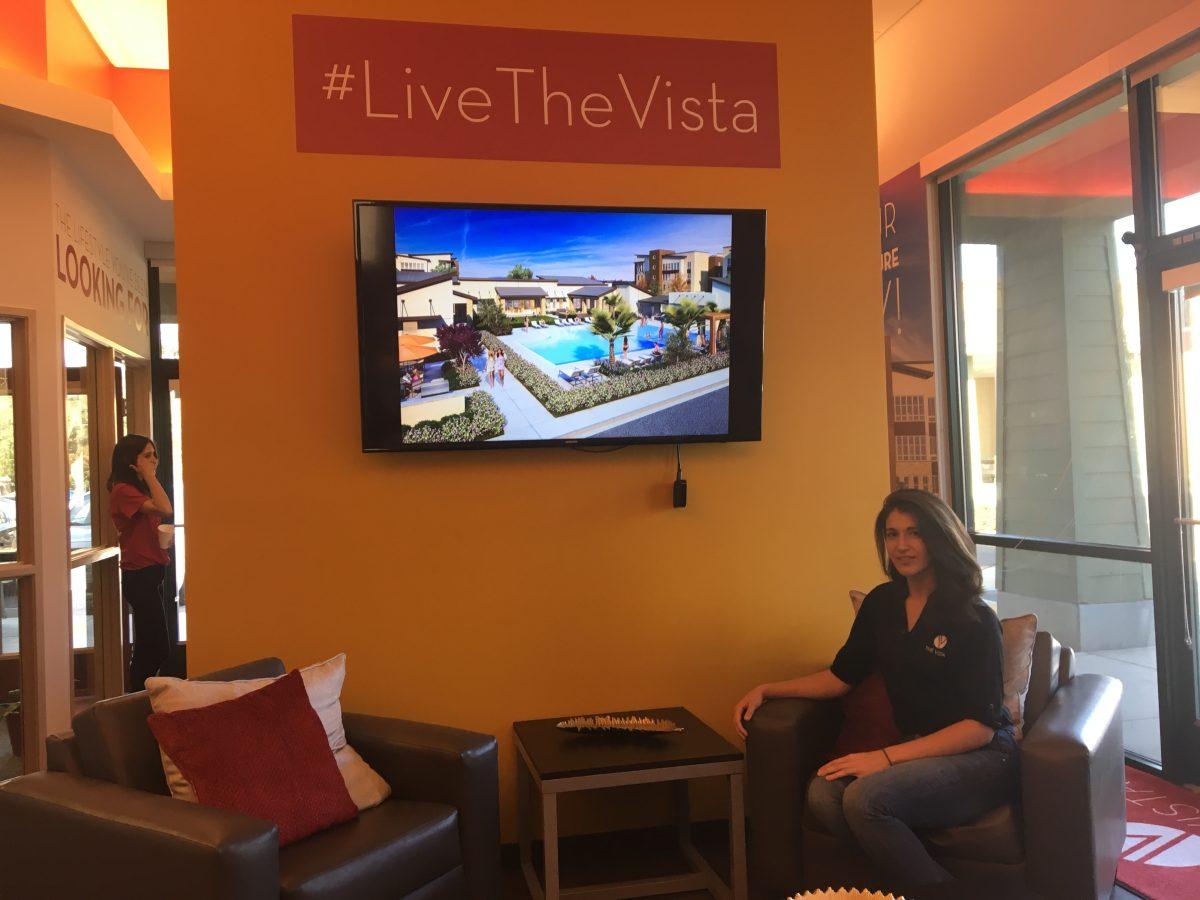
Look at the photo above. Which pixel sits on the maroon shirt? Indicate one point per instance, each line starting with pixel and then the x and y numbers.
pixel 137 530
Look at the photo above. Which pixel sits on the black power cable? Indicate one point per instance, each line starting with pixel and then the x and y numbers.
pixel 679 494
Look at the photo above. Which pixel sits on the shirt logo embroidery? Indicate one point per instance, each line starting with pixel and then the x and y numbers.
pixel 937 648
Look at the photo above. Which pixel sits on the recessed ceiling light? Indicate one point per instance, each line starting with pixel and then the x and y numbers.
pixel 132 33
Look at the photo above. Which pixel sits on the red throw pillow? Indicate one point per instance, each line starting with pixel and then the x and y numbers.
pixel 264 754
pixel 867 720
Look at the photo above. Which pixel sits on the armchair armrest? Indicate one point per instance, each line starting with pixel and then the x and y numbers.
pixel 1073 790
pixel 443 765
pixel 787 741
pixel 67 836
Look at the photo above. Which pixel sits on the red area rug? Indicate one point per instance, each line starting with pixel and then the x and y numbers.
pixel 1161 857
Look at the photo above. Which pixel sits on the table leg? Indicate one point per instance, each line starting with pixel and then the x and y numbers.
pixel 683 812
pixel 737 838
pixel 524 825
pixel 550 843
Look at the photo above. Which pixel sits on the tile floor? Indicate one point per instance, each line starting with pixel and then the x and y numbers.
pixel 1136 670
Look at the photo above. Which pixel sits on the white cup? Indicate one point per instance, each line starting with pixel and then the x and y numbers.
pixel 166 536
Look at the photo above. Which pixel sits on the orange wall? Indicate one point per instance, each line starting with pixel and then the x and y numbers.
pixel 480 588
pixel 144 98
pixel 950 65
pixel 23 36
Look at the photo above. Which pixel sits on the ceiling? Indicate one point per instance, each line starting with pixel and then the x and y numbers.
pixel 132 33
pixel 889 12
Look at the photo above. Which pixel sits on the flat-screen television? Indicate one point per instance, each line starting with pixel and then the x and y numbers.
pixel 484 326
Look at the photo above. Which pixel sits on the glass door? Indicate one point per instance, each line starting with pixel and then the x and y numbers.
pixel 1181 732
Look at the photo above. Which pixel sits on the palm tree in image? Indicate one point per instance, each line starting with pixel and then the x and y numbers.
pixel 612 324
pixel 683 315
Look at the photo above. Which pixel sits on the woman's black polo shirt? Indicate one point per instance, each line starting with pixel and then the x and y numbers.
pixel 948 668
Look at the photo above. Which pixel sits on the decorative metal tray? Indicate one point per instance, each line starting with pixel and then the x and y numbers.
pixel 618 724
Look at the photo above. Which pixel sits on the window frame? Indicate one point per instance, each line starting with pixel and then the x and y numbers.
pixel 1155 252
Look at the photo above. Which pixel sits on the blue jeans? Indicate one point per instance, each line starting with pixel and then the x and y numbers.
pixel 880 811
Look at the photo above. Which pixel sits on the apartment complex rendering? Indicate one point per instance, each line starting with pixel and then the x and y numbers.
pixel 425 262
pixel 427 299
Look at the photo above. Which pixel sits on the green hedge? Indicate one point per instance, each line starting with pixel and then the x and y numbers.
pixel 460 378
pixel 481 420
pixel 560 400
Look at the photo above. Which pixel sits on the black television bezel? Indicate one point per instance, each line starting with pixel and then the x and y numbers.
pixel 379 375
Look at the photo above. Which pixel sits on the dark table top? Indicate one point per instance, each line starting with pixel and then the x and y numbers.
pixel 556 753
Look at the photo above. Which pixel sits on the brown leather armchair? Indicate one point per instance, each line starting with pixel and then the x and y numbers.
pixel 101 824
pixel 1061 840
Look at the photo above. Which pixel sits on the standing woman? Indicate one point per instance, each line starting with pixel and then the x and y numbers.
pixel 938 646
pixel 137 504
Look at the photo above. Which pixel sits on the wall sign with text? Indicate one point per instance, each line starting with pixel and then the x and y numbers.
pixel 908 332
pixel 393 88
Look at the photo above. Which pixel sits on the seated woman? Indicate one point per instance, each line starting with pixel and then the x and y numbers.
pixel 938 647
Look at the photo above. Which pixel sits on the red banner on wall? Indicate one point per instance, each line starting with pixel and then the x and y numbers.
pixel 476 92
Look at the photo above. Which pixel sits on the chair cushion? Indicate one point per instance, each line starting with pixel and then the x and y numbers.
pixel 263 754
pixel 389 851
pixel 993 837
pixel 114 743
pixel 322 681
pixel 1045 676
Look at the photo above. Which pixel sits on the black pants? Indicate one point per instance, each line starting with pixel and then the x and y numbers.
pixel 142 589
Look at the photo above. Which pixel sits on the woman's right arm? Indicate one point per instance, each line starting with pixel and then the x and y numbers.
pixel 822 685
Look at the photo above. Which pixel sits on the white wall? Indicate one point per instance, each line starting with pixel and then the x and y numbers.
pixel 46 208
pixel 27 260
pixel 99 265
pixel 720 293
pixel 434 300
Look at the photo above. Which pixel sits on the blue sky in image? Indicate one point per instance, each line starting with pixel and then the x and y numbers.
pixel 489 242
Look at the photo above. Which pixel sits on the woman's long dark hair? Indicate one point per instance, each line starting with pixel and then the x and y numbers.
pixel 125 454
pixel 951 550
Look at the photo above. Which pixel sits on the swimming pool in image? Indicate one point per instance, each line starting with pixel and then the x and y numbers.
pixel 576 343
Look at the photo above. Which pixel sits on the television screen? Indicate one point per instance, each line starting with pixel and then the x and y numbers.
pixel 500 326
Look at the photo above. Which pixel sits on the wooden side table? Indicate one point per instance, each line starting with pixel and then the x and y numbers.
pixel 553 762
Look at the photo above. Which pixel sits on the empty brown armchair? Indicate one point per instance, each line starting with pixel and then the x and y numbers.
pixel 1061 838
pixel 101 824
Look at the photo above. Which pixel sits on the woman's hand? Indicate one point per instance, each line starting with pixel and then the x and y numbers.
pixel 745 709
pixel 854 765
pixel 146 468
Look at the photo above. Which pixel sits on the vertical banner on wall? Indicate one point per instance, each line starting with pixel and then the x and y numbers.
pixel 908 332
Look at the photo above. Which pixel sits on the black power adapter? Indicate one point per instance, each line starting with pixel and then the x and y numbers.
pixel 679 496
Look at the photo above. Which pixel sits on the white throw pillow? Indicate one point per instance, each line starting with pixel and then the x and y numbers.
pixel 323 681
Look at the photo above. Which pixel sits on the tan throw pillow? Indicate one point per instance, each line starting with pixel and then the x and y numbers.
pixel 856 599
pixel 322 681
pixel 1019 635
